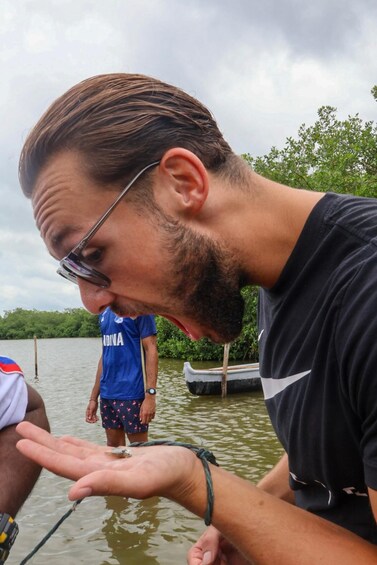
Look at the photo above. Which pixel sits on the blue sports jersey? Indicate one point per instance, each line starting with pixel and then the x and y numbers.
pixel 122 374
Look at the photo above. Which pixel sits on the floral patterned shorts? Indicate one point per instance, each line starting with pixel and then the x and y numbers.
pixel 122 414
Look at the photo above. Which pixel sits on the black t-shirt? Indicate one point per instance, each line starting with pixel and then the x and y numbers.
pixel 318 358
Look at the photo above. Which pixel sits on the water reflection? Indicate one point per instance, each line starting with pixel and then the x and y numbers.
pixel 128 529
pixel 114 530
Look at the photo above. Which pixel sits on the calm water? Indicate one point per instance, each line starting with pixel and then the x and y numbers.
pixel 113 530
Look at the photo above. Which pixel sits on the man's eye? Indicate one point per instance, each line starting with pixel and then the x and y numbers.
pixel 93 257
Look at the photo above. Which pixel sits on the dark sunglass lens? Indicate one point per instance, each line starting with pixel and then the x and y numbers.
pixel 72 268
pixel 67 275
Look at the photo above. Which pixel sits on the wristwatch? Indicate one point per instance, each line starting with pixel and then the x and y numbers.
pixel 8 534
pixel 151 391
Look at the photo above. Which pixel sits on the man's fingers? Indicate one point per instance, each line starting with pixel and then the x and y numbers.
pixel 146 417
pixel 67 445
pixel 26 429
pixel 208 546
pixel 64 465
pixel 107 482
pixel 37 435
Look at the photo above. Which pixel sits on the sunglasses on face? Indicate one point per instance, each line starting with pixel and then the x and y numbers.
pixel 73 265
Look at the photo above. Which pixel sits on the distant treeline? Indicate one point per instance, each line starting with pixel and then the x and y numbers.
pixel 25 324
pixel 172 343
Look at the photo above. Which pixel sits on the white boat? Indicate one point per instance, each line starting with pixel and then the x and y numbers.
pixel 239 378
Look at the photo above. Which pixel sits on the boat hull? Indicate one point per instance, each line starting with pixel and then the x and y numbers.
pixel 241 378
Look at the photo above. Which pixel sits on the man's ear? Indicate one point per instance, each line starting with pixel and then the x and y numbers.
pixel 183 186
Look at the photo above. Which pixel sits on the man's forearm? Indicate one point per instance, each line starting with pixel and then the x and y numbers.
pixel 276 482
pixel 96 387
pixel 265 529
pixel 151 361
pixel 151 370
pixel 268 530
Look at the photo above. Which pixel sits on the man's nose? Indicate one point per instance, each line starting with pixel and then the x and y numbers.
pixel 94 298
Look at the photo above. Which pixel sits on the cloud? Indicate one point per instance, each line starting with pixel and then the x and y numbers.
pixel 29 277
pixel 263 68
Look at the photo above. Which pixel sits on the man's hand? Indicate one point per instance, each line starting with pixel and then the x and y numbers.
pixel 206 550
pixel 91 412
pixel 168 471
pixel 148 409
pixel 212 549
pixel 261 526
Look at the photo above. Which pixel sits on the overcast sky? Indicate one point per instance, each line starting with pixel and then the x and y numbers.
pixel 262 67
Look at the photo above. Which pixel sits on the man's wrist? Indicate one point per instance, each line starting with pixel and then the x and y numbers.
pixel 192 480
pixel 93 399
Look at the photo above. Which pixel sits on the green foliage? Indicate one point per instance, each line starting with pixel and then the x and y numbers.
pixel 332 155
pixel 172 343
pixel 25 324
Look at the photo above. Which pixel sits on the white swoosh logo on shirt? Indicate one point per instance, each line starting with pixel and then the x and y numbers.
pixel 272 387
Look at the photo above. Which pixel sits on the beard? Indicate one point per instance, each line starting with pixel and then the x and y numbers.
pixel 207 281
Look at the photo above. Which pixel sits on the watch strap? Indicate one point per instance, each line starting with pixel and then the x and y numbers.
pixel 8 534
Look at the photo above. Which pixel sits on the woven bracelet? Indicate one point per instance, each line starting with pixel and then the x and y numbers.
pixel 205 456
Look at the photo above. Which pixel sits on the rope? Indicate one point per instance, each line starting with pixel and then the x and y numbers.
pixel 204 455
pixel 49 534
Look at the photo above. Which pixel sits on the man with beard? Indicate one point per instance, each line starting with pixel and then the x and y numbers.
pixel 185 225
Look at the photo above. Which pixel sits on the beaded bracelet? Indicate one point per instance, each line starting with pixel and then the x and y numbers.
pixel 204 456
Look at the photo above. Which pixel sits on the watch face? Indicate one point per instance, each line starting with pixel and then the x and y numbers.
pixel 151 391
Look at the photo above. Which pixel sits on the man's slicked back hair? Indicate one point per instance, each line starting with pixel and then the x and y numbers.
pixel 119 123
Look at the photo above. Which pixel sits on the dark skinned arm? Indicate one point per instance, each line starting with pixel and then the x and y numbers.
pixel 19 474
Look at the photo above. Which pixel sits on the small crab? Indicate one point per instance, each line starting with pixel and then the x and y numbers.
pixel 121 451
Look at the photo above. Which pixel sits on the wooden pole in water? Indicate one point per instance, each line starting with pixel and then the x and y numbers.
pixel 225 370
pixel 35 356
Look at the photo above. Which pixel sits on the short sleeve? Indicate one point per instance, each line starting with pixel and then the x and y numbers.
pixel 146 326
pixel 13 393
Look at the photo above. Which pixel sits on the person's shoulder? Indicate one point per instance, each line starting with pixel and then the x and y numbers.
pixel 108 316
pixel 7 365
pixel 146 324
pixel 354 214
pixel 148 319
